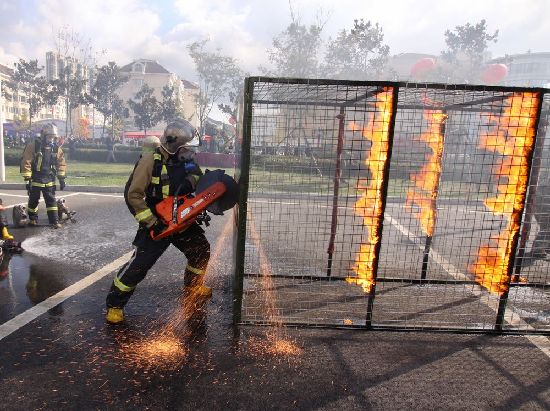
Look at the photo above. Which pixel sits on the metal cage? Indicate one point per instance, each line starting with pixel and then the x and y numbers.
pixel 385 205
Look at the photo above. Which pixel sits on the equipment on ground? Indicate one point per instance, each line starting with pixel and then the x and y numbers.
pixel 20 216
pixel 10 246
pixel 63 211
pixel 216 192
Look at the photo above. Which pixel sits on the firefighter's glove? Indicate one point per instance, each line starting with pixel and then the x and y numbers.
pixel 62 184
pixel 158 227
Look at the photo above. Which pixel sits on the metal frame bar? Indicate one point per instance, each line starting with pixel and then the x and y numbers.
pixel 337 175
pixel 384 193
pixel 399 328
pixel 503 299
pixel 243 198
pixel 400 280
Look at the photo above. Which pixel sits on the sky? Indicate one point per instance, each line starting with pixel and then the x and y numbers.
pixel 124 30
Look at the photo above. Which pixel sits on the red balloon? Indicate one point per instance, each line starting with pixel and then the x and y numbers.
pixel 422 66
pixel 493 73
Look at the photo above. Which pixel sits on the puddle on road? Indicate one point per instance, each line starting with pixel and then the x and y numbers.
pixel 25 282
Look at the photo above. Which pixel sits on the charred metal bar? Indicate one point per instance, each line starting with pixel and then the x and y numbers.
pixel 532 190
pixel 366 96
pixel 433 206
pixel 428 107
pixel 384 193
pixel 492 99
pixel 455 330
pixel 243 180
pixel 337 174
pixel 399 280
pixel 299 103
pixel 503 298
pixel 426 257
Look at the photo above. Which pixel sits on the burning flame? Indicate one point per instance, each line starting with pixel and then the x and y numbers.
pixel 513 137
pixel 369 206
pixel 426 181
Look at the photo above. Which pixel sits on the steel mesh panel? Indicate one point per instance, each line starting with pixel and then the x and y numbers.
pixel 311 162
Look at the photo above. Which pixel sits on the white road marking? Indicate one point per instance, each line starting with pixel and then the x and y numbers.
pixel 511 316
pixel 32 313
pixel 102 195
pixel 13 195
pixel 25 203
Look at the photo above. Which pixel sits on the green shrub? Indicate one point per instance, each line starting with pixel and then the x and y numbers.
pixel 99 155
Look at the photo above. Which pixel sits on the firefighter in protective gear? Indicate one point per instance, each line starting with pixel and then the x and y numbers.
pixel 169 169
pixel 43 160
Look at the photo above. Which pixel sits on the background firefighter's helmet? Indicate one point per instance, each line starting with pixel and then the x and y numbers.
pixel 177 134
pixel 150 143
pixel 49 131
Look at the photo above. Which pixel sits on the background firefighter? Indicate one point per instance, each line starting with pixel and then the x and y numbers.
pixel 165 171
pixel 42 161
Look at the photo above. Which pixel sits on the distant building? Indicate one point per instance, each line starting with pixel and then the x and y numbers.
pixel 527 70
pixel 189 104
pixel 150 72
pixel 16 107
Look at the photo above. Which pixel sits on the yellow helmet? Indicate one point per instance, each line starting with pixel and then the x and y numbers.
pixel 177 134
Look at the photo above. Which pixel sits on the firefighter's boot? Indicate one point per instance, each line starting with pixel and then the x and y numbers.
pixel 114 315
pixel 5 234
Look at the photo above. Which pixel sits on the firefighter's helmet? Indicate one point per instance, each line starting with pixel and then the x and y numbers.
pixel 177 134
pixel 49 131
pixel 150 143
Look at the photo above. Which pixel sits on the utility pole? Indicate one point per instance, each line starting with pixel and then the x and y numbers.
pixel 2 163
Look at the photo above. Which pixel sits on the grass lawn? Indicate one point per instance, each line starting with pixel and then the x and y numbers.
pixel 93 174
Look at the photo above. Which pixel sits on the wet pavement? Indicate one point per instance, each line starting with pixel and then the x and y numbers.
pixel 172 354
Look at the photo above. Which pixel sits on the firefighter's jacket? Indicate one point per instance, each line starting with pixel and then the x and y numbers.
pixel 43 162
pixel 157 176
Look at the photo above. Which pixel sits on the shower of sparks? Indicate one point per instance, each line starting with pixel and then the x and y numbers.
pixel 277 341
pixel 164 348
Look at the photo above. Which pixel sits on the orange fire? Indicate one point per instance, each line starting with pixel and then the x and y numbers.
pixel 369 206
pixel 513 137
pixel 426 181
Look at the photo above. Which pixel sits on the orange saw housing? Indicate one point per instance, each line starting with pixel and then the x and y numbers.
pixel 178 213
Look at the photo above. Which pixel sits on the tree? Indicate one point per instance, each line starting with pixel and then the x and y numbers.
pixel 146 108
pixel 170 104
pixel 77 54
pixel 358 54
pixel 71 85
pixel 294 51
pixel 216 74
pixel 103 92
pixel 466 51
pixel 235 94
pixel 28 81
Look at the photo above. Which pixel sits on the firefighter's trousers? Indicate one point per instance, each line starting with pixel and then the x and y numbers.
pixel 48 191
pixel 192 243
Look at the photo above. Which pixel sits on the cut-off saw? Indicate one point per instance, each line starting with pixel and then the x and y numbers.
pixel 216 192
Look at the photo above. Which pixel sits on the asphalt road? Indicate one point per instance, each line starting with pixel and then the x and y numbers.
pixel 168 356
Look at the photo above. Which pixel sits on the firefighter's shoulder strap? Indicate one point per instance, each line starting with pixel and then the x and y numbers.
pixel 158 189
